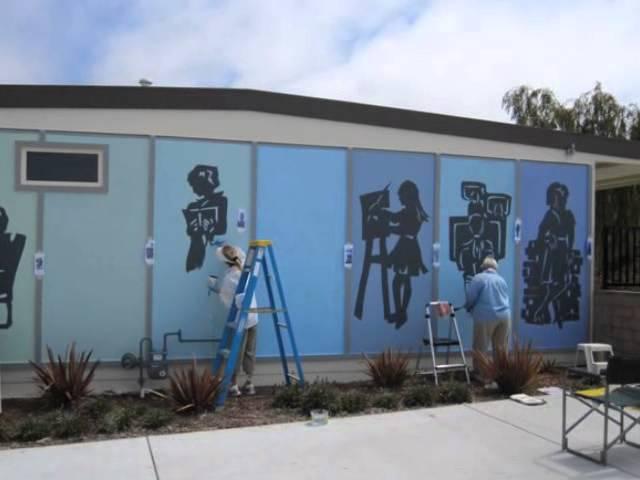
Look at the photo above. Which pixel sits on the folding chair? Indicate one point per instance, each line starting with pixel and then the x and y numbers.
pixel 610 401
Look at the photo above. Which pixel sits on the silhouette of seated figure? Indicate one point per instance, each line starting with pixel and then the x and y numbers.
pixel 476 249
pixel 11 248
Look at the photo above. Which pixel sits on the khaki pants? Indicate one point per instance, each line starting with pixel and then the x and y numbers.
pixel 247 356
pixel 496 332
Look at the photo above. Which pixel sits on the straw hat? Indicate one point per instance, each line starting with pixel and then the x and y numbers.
pixel 231 254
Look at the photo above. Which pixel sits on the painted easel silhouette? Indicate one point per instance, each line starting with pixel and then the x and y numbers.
pixel 374 228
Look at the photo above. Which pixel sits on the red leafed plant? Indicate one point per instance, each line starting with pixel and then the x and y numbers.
pixel 193 391
pixel 65 381
pixel 515 371
pixel 390 369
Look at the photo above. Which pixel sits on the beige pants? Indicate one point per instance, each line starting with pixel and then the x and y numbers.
pixel 247 356
pixel 496 332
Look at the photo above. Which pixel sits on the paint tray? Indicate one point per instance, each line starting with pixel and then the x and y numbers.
pixel 527 399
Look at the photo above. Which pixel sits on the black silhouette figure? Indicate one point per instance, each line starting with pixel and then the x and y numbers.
pixel 207 216
pixel 482 232
pixel 405 258
pixel 11 249
pixel 552 269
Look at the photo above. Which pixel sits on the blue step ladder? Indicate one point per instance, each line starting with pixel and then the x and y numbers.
pixel 260 261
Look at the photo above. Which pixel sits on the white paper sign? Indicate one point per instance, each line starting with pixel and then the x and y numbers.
pixel 150 252
pixel 348 255
pixel 517 230
pixel 436 255
pixel 38 264
pixel 241 223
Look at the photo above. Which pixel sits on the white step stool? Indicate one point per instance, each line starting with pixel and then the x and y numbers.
pixel 588 350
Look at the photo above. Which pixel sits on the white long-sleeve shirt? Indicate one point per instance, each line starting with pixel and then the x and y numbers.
pixel 227 294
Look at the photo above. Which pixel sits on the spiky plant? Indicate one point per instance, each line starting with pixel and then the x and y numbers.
pixel 390 369
pixel 65 381
pixel 515 371
pixel 192 391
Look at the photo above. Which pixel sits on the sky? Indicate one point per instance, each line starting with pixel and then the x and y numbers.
pixel 454 57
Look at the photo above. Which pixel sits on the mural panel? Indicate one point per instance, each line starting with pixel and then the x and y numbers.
pixel 17 246
pixel 554 310
pixel 202 199
pixel 392 206
pixel 94 285
pixel 476 221
pixel 302 208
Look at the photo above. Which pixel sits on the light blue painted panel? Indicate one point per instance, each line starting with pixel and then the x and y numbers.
pixel 302 208
pixel 94 286
pixel 489 188
pixel 180 299
pixel 17 342
pixel 555 287
pixel 399 217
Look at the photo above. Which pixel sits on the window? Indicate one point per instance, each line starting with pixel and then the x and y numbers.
pixel 58 166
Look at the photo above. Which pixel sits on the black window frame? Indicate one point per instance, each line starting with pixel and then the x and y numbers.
pixel 99 186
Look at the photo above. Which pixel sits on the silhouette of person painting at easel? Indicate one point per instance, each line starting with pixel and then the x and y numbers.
pixel 405 258
pixel 10 253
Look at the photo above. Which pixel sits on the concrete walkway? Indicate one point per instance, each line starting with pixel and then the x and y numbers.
pixel 488 440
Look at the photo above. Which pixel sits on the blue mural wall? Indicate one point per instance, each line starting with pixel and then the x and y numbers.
pixel 201 188
pixel 554 310
pixel 17 242
pixel 392 230
pixel 94 286
pixel 301 207
pixel 477 212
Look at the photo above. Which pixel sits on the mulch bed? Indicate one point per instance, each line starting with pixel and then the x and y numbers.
pixel 237 412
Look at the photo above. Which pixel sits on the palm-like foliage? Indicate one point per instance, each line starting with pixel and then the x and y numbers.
pixel 389 369
pixel 514 371
pixel 66 380
pixel 193 391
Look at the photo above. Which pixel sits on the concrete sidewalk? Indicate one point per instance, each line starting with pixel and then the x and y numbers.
pixel 488 440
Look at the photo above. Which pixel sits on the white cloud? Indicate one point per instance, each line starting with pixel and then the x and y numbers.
pixel 447 56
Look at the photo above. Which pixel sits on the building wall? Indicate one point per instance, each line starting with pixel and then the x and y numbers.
pixel 307 198
pixel 617 320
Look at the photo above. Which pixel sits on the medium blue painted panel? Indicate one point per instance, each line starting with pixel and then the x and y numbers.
pixel 477 211
pixel 302 208
pixel 387 187
pixel 17 341
pixel 555 287
pixel 94 287
pixel 180 299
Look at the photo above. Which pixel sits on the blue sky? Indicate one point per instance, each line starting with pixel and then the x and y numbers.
pixel 447 56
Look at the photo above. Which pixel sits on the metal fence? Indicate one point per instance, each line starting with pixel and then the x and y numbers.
pixel 621 257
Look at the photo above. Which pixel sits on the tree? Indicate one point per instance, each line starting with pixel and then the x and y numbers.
pixel 595 112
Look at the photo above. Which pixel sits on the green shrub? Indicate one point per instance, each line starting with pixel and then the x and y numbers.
pixel 386 401
pixel 7 431
pixel 389 369
pixel 32 429
pixel 156 418
pixel 68 424
pixel 320 396
pixel 288 397
pixel 419 396
pixel 117 420
pixel 354 402
pixel 454 392
pixel 96 408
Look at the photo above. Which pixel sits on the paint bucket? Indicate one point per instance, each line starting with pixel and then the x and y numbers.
pixel 319 417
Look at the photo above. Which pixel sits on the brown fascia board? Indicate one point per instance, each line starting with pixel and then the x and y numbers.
pixel 176 98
